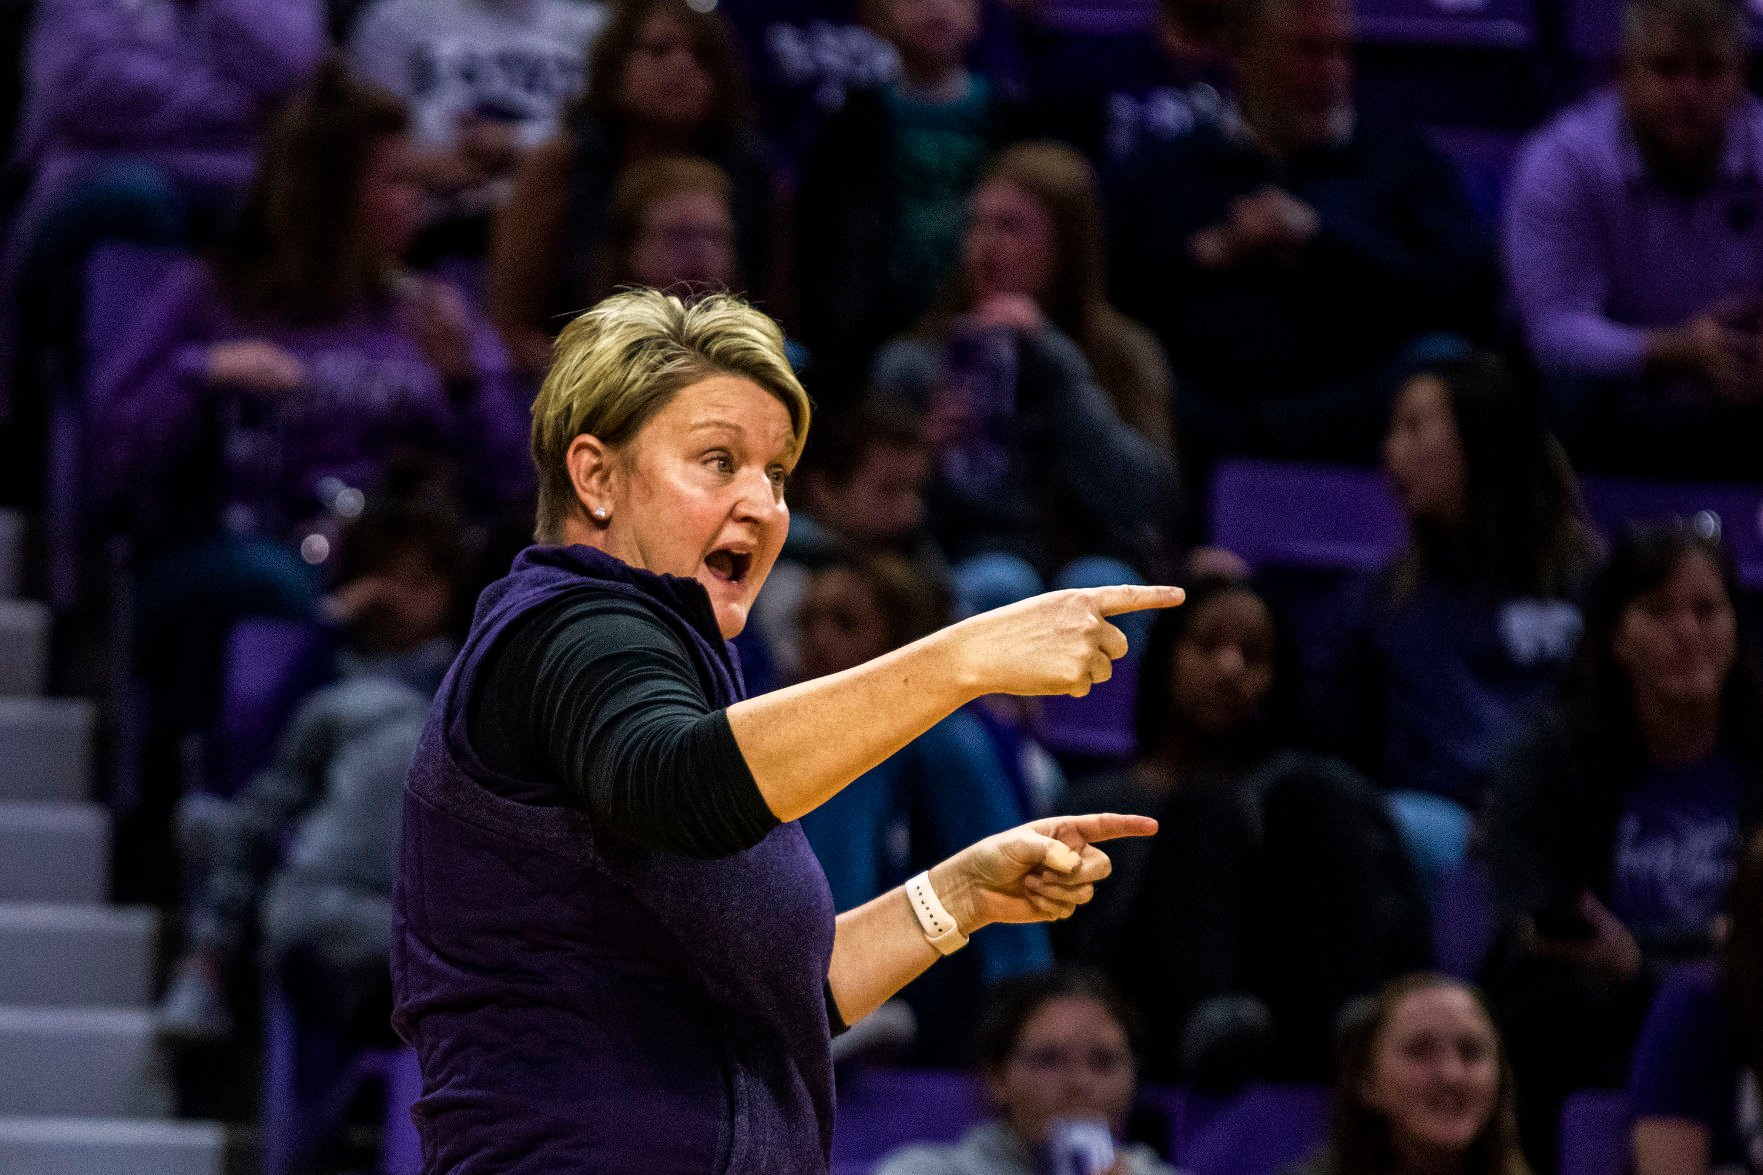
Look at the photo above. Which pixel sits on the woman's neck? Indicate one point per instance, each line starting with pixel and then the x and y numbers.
pixel 1416 1160
pixel 1678 732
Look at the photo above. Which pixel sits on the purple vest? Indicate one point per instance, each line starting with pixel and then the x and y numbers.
pixel 581 1003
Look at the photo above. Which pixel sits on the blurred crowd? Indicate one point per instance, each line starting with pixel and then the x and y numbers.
pixel 1042 284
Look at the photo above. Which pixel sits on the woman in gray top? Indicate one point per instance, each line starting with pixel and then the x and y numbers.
pixel 1057 1055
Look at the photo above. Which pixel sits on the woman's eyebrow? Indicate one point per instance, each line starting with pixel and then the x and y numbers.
pixel 717 425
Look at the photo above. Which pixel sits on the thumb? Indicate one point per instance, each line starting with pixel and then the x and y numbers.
pixel 1053 853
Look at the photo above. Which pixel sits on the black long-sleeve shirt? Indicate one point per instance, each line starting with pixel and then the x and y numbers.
pixel 596 693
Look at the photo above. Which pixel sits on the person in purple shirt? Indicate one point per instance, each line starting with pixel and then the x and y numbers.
pixel 613 948
pixel 267 391
pixel 1634 242
pixel 1694 1085
pixel 1613 828
pixel 140 122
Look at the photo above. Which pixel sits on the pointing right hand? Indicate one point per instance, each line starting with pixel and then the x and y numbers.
pixel 1057 643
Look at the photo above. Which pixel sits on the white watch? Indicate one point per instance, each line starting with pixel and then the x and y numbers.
pixel 940 929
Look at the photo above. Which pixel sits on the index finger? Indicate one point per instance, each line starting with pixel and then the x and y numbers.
pixel 1132 597
pixel 1097 826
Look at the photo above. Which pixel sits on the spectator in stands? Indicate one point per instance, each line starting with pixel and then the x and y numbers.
pixel 664 80
pixel 1424 1085
pixel 859 486
pixel 1634 238
pixel 885 186
pixel 670 225
pixel 1296 259
pixel 1694 1085
pixel 311 368
pixel 1449 649
pixel 1263 856
pixel 1112 90
pixel 1058 1047
pixel 1037 476
pixel 137 111
pixel 311 843
pixel 485 81
pixel 141 122
pixel 1614 827
pixel 1034 229
pixel 953 785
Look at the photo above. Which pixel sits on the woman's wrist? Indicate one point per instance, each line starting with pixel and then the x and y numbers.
pixel 941 660
pixel 959 893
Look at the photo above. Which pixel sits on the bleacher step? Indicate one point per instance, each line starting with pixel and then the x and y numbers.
pixel 108 1146
pixel 81 1062
pixel 54 955
pixel 46 748
pixel 24 647
pixel 54 852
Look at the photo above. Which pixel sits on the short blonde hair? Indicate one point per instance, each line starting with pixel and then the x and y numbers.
pixel 621 362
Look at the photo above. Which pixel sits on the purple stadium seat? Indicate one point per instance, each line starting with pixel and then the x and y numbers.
pixel 1097 18
pixel 1736 510
pixel 1595 1134
pixel 1474 24
pixel 1463 925
pixel 882 1110
pixel 310 1081
pixel 1096 728
pixel 1261 1132
pixel 271 665
pixel 1594 26
pixel 1319 516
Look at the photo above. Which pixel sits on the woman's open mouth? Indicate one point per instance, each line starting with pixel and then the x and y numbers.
pixel 729 565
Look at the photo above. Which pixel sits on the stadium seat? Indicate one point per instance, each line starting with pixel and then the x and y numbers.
pixel 1095 730
pixel 1476 24
pixel 310 1082
pixel 1734 512
pixel 1263 1131
pixel 1593 27
pixel 881 1110
pixel 1595 1134
pixel 1097 18
pixel 1308 516
pixel 271 665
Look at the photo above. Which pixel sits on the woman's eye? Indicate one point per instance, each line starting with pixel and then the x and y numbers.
pixel 779 480
pixel 722 462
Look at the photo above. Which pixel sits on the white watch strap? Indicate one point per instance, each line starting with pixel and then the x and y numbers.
pixel 940 929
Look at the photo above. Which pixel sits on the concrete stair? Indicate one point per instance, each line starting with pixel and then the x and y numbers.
pixel 76 956
pixel 82 1063
pixel 86 1146
pixel 85 1089
pixel 46 748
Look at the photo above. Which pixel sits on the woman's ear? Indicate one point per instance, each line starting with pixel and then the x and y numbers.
pixel 594 475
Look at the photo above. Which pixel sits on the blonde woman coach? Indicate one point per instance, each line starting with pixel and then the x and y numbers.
pixel 614 950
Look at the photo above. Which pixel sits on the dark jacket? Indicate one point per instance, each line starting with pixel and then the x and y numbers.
pixel 579 1002
pixel 1400 252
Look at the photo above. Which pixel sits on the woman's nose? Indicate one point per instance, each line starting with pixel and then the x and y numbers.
pixel 759 498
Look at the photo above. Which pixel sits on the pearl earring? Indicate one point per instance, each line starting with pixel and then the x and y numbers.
pixel 600 513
